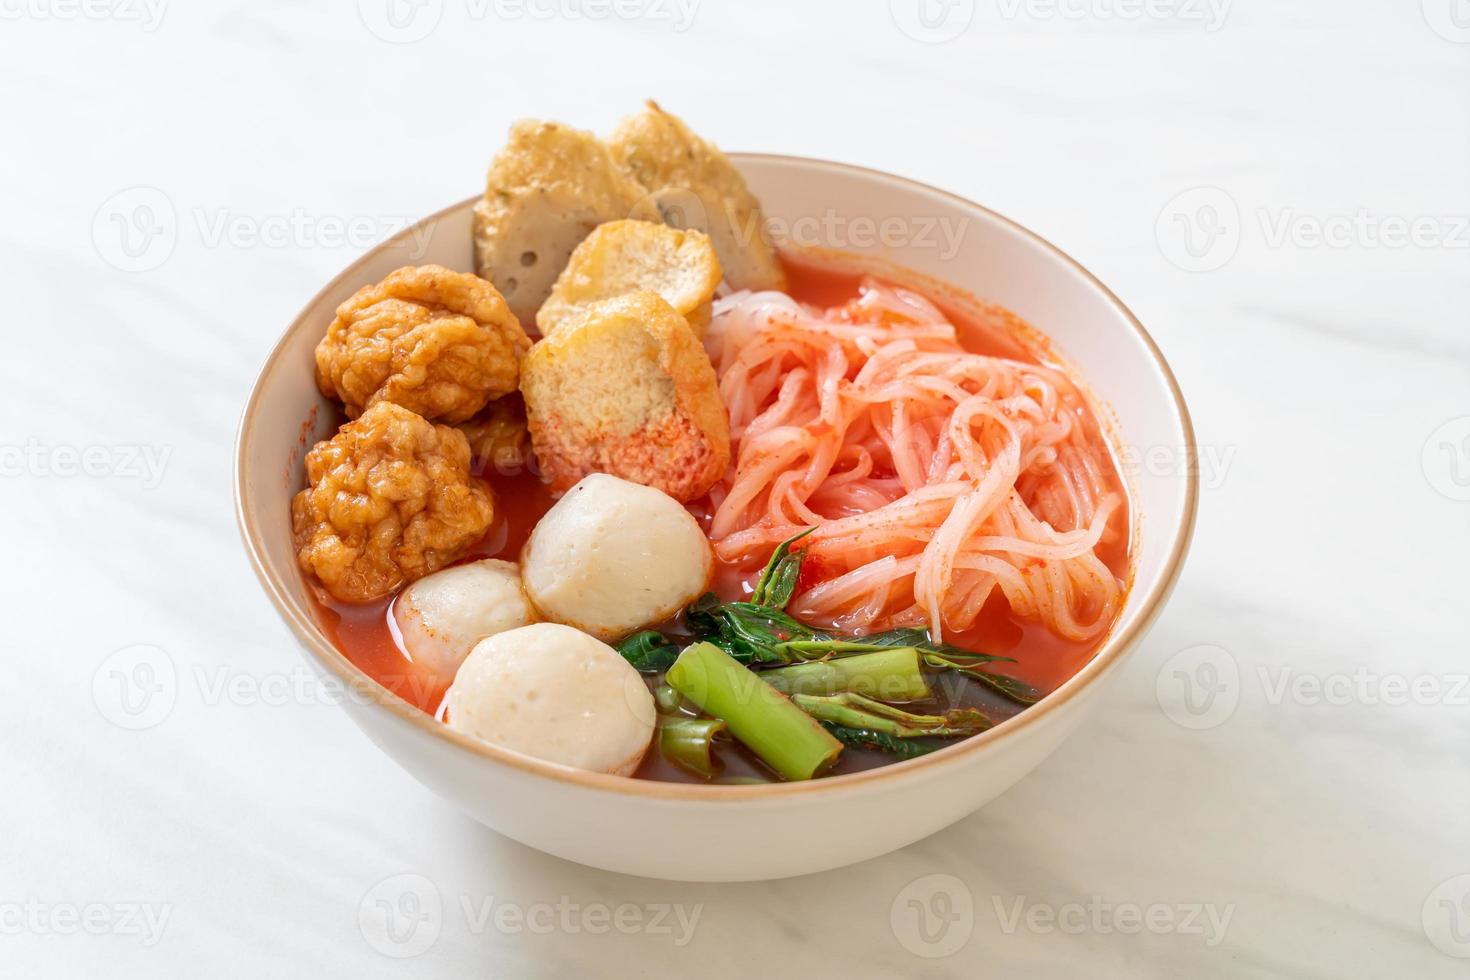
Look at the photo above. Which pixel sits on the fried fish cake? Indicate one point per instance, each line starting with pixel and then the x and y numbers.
pixel 694 185
pixel 548 188
pixel 626 256
pixel 626 389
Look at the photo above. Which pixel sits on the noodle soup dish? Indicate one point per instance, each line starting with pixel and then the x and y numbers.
pixel 635 490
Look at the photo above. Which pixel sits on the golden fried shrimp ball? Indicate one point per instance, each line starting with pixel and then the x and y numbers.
pixel 390 499
pixel 498 435
pixel 438 342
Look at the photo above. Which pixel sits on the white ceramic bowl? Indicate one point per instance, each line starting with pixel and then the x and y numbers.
pixel 739 833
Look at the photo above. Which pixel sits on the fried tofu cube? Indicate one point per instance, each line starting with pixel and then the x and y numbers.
pixel 691 184
pixel 626 256
pixel 625 388
pixel 547 189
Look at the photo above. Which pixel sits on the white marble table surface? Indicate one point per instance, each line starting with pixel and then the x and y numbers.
pixel 1312 823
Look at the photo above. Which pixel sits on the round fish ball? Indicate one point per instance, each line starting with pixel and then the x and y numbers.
pixel 613 556
pixel 555 693
pixel 442 616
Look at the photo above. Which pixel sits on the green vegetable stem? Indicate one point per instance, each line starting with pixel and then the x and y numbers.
pixel 856 711
pixel 784 736
pixel 667 700
pixel 689 742
pixel 943 656
pixel 889 675
pixel 973 667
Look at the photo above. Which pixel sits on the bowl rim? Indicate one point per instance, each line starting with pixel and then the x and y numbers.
pixel 308 633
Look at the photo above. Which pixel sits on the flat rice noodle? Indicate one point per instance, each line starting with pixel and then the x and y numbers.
pixel 934 476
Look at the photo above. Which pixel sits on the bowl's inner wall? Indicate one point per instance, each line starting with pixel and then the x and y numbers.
pixel 807 203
